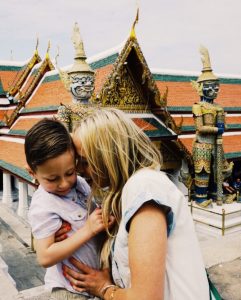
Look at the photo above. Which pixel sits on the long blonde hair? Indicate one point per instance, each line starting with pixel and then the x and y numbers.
pixel 115 149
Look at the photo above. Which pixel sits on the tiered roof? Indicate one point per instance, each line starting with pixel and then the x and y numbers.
pixel 161 102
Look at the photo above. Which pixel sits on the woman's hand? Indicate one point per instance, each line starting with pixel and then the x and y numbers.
pixel 89 280
pixel 61 234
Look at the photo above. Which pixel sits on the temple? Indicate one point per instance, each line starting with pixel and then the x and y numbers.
pixel 159 102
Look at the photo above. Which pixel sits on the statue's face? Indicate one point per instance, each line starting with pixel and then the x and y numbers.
pixel 82 86
pixel 210 89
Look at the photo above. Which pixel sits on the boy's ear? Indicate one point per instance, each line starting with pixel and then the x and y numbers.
pixel 29 170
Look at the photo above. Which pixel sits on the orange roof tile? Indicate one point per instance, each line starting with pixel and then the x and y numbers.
pixel 7 112
pixel 12 153
pixel 233 119
pixel 179 93
pixel 49 94
pixel 183 94
pixel 143 124
pixel 25 124
pixel 101 75
pixel 185 121
pixel 231 143
pixel 189 121
pixel 8 77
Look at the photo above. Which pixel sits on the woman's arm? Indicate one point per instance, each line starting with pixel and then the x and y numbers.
pixel 147 255
pixel 49 253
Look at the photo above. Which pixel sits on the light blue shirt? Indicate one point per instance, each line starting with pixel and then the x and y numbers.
pixel 46 213
pixel 185 276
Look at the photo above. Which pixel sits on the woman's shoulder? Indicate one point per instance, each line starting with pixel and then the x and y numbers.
pixel 148 175
pixel 149 182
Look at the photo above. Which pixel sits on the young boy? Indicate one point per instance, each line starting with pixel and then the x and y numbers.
pixel 61 195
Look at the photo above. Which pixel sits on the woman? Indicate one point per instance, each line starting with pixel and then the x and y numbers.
pixel 153 249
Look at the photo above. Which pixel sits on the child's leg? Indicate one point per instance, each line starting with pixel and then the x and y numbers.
pixel 63 294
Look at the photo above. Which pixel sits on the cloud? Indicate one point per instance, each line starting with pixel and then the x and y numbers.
pixel 169 32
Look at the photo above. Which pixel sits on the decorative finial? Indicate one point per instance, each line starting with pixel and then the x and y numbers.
pixel 37 44
pixel 47 53
pixel 56 57
pixel 133 34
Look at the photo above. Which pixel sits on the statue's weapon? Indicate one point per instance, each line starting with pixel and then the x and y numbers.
pixel 219 163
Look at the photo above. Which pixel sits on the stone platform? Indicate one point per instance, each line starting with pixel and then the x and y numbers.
pixel 217 220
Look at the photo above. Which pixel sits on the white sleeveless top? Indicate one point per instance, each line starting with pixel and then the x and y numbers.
pixel 185 275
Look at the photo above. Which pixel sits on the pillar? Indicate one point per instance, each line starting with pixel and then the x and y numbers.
pixel 7 190
pixel 22 199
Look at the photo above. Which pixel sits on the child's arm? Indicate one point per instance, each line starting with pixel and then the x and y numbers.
pixel 49 253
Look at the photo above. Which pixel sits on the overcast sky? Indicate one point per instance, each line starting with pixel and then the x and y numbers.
pixel 169 31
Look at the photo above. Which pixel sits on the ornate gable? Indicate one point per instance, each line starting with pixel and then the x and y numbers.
pixel 25 93
pixel 22 76
pixel 130 86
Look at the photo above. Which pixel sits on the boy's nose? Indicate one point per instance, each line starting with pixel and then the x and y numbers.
pixel 63 183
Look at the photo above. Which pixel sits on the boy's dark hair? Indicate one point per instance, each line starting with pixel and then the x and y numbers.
pixel 45 140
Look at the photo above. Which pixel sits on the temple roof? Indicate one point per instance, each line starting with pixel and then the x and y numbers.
pixel 182 95
pixel 9 71
pixel 30 85
pixel 162 101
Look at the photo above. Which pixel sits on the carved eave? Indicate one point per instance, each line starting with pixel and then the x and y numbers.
pixel 130 86
pixel 166 117
pixel 19 80
pixel 30 87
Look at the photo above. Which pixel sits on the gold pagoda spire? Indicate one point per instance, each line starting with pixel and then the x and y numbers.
pixel 36 48
pixel 47 53
pixel 133 33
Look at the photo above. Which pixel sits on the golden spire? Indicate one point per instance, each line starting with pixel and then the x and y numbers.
pixel 56 57
pixel 36 48
pixel 47 53
pixel 133 34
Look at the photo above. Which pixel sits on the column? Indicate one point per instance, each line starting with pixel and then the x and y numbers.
pixel 22 199
pixel 7 190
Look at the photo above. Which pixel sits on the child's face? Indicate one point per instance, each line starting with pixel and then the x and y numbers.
pixel 84 168
pixel 57 175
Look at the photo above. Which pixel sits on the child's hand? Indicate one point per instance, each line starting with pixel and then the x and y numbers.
pixel 95 222
pixel 111 221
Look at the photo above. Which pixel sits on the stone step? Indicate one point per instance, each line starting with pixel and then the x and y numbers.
pixel 37 293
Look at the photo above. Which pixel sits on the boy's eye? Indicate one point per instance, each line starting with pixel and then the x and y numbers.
pixel 70 173
pixel 51 180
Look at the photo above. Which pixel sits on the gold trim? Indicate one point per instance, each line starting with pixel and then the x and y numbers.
pixel 133 34
pixel 223 221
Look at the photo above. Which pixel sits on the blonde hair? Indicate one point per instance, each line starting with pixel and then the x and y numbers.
pixel 115 149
